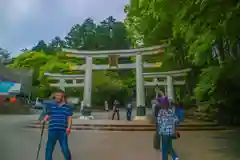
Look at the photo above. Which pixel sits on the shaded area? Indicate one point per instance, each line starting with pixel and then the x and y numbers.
pixel 229 142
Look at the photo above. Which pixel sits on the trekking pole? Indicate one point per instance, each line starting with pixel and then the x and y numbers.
pixel 40 142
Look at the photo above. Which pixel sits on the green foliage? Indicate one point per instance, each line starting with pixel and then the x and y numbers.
pixel 203 35
pixel 107 85
pixel 207 83
pixel 4 54
pixel 194 31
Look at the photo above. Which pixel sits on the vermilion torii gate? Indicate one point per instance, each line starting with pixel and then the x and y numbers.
pixel 113 55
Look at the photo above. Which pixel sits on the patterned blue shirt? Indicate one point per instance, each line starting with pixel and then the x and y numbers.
pixel 166 122
pixel 58 115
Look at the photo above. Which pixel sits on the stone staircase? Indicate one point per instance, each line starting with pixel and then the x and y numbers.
pixel 122 125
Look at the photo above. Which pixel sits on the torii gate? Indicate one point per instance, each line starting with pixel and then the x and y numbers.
pixel 168 80
pixel 113 55
pixel 62 84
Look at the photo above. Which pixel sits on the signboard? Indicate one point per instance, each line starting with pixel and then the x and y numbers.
pixel 113 61
pixel 7 87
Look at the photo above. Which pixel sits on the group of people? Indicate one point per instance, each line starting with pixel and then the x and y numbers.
pixel 168 116
pixel 116 109
pixel 59 115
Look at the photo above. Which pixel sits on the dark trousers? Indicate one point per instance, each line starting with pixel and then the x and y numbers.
pixel 167 147
pixel 53 137
pixel 116 112
pixel 129 114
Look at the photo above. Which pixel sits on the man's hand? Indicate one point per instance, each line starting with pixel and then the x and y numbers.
pixel 68 131
pixel 43 122
pixel 46 118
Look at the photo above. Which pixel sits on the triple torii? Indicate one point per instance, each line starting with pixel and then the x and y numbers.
pixel 88 67
pixel 168 81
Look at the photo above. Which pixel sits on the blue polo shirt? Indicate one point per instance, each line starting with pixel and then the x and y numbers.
pixel 58 115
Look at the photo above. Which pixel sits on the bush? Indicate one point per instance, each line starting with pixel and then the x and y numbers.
pixel 220 89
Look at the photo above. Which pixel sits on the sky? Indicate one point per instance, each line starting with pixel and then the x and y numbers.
pixel 24 22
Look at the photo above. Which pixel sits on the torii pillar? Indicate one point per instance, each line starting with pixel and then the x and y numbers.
pixel 86 112
pixel 140 92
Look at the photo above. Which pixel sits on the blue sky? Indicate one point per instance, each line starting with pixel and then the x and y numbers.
pixel 24 22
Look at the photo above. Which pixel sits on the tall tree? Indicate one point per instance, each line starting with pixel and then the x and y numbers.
pixel 5 56
pixel 40 46
pixel 56 44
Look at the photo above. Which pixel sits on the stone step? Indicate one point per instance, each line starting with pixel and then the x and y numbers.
pixel 138 128
pixel 123 125
pixel 131 125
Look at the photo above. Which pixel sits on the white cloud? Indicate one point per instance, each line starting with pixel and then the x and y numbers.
pixel 25 22
pixel 96 9
pixel 18 10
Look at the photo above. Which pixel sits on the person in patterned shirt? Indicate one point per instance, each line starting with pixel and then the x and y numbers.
pixel 166 121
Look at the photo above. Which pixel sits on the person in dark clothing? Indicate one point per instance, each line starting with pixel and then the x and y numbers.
pixel 156 110
pixel 129 111
pixel 180 112
pixel 157 139
pixel 116 110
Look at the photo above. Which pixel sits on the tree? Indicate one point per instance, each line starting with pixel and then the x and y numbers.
pixel 200 34
pixel 56 44
pixel 109 34
pixel 40 46
pixel 4 56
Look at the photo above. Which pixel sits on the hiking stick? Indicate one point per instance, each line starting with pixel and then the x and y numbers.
pixel 40 142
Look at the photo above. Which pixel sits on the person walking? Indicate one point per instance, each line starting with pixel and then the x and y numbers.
pixel 180 111
pixel 157 106
pixel 156 138
pixel 116 110
pixel 167 129
pixel 129 110
pixel 59 115
pixel 106 105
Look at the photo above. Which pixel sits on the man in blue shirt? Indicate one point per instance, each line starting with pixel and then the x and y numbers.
pixel 59 115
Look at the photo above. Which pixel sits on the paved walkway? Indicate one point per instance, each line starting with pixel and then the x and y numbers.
pixel 18 143
pixel 105 115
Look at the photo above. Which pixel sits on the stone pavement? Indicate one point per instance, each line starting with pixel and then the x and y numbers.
pixel 104 114
pixel 18 143
pixel 108 115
